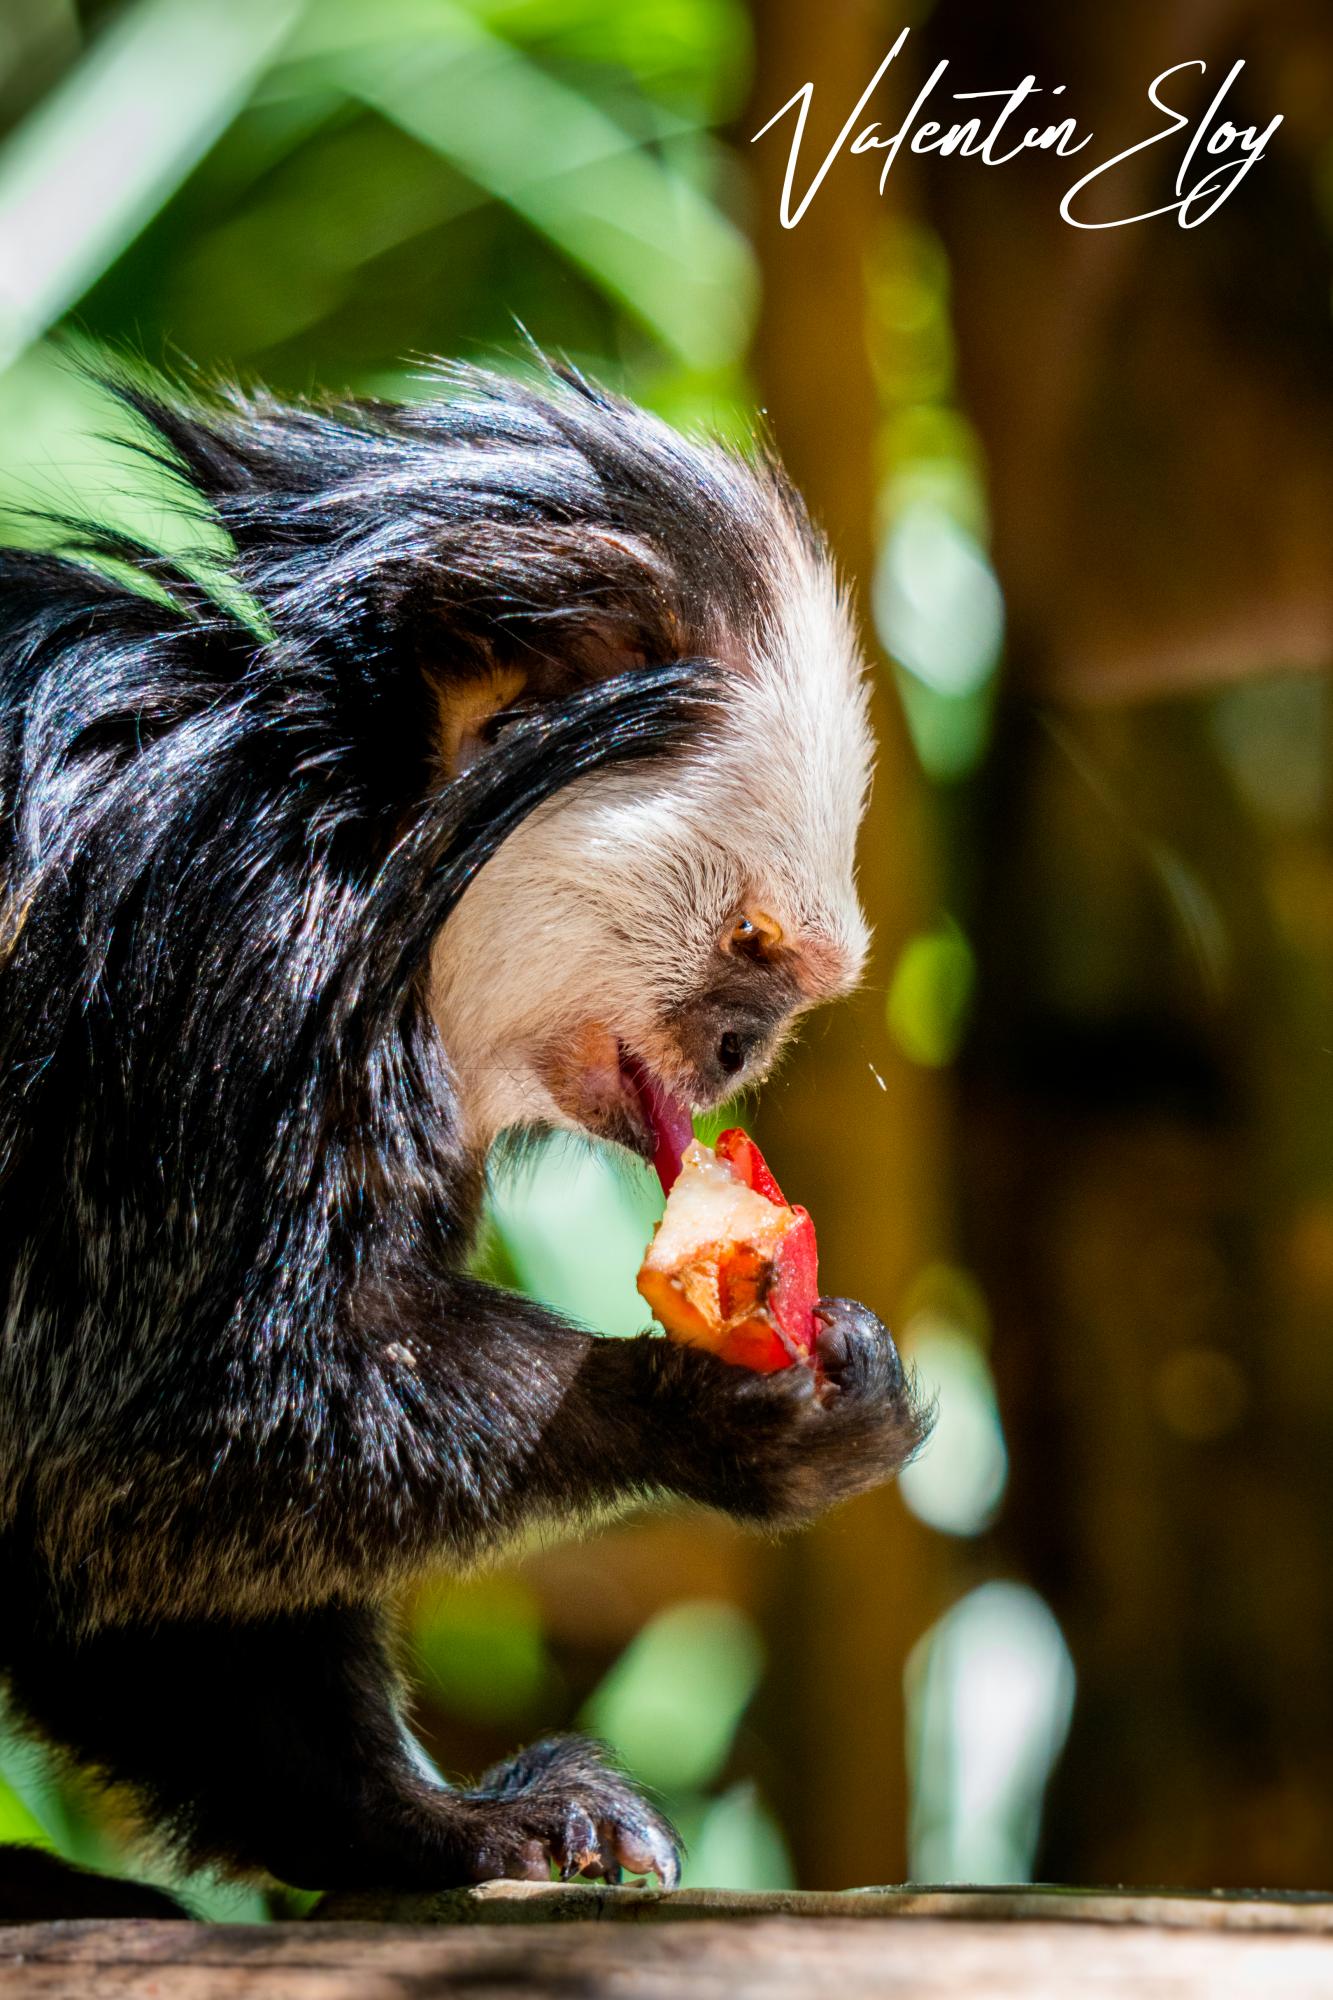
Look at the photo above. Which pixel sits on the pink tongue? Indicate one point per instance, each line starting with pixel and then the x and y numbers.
pixel 672 1125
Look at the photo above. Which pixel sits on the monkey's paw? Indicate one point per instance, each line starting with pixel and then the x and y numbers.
pixel 781 1448
pixel 563 1803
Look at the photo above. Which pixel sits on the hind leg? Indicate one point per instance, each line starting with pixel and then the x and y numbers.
pixel 279 1745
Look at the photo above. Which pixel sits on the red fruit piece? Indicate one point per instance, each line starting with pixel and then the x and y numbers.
pixel 731 1267
pixel 756 1346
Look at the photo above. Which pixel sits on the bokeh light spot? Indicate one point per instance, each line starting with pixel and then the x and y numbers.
pixel 958 1481
pixel 990 1692
pixel 937 603
pixel 672 1702
pixel 929 995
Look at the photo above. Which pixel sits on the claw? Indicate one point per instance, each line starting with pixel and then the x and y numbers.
pixel 580 1848
pixel 648 1852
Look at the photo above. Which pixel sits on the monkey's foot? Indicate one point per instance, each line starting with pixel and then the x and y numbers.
pixel 562 1802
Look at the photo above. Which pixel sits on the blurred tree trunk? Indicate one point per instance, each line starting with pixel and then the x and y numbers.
pixel 853 1595
pixel 1137 1152
pixel 1139 390
pixel 1138 1095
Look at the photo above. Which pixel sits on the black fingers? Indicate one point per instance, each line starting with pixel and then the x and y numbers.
pixel 779 1449
pixel 563 1803
pixel 856 1350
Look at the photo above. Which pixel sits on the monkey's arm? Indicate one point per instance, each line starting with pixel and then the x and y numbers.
pixel 561 1422
pixel 440 1429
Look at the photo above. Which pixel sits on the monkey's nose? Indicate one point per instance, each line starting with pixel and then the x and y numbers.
pixel 724 1042
pixel 736 1047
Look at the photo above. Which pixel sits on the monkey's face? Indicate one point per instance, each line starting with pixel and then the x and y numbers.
pixel 642 944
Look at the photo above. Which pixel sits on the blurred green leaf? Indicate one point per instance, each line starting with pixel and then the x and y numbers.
pixel 18 1822
pixel 32 1808
pixel 87 169
pixel 672 1703
pixel 480 1650
pixel 690 54
pixel 647 236
pixel 738 1845
pixel 574 1226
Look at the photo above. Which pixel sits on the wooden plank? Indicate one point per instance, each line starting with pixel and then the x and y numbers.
pixel 565 1902
pixel 774 1958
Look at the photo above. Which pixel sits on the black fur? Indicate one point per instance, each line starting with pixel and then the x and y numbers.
pixel 39 1888
pixel 245 1383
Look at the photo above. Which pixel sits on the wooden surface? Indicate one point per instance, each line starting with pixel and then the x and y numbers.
pixel 505 1943
pixel 556 1902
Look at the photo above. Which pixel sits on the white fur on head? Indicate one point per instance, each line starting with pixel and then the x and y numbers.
pixel 603 915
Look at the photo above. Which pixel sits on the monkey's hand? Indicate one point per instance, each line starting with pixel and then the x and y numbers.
pixel 780 1448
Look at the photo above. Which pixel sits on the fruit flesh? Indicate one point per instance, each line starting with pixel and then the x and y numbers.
pixel 732 1267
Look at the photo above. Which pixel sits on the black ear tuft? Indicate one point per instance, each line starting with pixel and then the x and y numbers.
pixel 179 435
pixel 502 519
pixel 651 712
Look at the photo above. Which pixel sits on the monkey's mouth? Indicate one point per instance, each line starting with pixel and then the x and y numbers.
pixel 663 1119
pixel 603 1087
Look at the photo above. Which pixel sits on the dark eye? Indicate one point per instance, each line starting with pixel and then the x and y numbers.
pixel 754 935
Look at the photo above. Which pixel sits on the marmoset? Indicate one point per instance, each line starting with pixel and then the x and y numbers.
pixel 504 776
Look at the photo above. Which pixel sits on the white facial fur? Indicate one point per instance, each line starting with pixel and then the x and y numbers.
pixel 605 909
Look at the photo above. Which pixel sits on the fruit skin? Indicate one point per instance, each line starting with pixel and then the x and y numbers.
pixel 748 1164
pixel 794 1291
pixel 766 1302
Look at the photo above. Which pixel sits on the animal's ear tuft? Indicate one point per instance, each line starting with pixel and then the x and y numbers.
pixel 258 459
pixel 181 436
pixel 468 709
